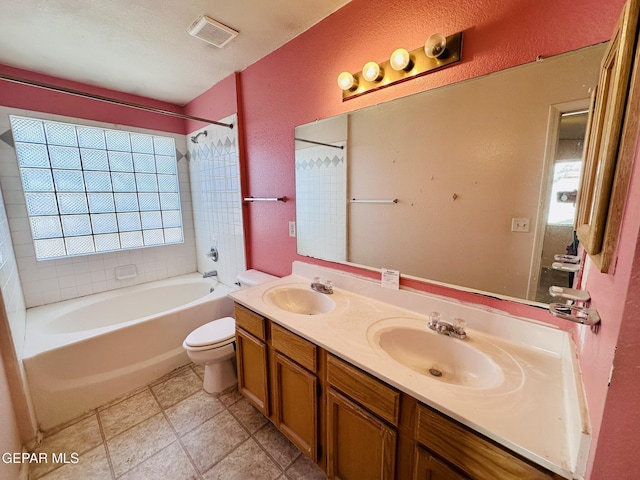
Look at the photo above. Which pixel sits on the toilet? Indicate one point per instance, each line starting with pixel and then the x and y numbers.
pixel 213 344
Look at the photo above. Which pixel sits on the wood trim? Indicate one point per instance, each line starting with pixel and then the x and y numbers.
pixel 251 322
pixel 604 138
pixel 364 389
pixel 476 456
pixel 295 347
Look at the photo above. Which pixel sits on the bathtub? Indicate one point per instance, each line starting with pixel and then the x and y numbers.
pixel 82 353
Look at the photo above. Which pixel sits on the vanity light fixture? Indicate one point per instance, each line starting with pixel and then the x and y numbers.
pixel 401 60
pixel 347 82
pixel 372 72
pixel 438 52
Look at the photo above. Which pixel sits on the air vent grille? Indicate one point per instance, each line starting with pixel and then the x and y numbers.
pixel 211 31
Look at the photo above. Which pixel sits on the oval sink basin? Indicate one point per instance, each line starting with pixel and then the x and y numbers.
pixel 303 301
pixel 457 362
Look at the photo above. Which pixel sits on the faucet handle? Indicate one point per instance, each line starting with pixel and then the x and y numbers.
pixel 569 294
pixel 434 319
pixel 459 325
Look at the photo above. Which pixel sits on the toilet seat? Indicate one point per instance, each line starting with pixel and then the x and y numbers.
pixel 214 334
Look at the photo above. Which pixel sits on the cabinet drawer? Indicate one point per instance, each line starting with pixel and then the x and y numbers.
pixel 251 322
pixel 371 393
pixel 296 348
pixel 473 454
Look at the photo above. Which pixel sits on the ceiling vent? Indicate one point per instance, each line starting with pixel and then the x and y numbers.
pixel 211 31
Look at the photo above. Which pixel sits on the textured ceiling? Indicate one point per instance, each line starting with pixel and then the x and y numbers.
pixel 141 46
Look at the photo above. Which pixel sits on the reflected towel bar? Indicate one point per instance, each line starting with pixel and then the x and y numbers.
pixel 265 199
pixel 356 200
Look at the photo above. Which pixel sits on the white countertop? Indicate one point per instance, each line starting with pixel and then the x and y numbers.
pixel 527 412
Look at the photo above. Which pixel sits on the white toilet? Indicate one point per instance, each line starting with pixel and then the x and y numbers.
pixel 213 344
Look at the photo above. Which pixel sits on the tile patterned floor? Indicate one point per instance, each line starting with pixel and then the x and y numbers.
pixel 173 430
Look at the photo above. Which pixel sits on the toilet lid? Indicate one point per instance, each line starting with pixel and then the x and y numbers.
pixel 217 331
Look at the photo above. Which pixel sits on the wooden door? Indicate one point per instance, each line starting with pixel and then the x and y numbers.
pixel 359 445
pixel 296 404
pixel 253 379
pixel 427 467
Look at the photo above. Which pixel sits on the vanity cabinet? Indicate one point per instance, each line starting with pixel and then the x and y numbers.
pixel 251 358
pixel 354 425
pixel 277 373
pixel 428 467
pixel 360 445
pixel 468 451
pixel 295 389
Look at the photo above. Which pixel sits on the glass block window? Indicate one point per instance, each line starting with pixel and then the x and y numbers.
pixel 92 190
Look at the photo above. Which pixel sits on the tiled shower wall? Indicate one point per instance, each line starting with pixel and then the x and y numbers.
pixel 217 203
pixel 14 304
pixel 51 281
pixel 321 202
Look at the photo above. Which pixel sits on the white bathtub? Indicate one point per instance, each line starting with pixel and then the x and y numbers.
pixel 82 353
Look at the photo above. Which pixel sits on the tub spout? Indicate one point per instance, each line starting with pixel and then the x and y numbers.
pixel 210 273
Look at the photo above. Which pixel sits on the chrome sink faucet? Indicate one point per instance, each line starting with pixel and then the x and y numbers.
pixel 453 329
pixel 318 286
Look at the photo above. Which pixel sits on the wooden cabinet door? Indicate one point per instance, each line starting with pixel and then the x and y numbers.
pixel 253 379
pixel 427 467
pixel 359 445
pixel 296 404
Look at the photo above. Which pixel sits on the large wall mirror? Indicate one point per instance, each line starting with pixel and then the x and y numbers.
pixel 473 184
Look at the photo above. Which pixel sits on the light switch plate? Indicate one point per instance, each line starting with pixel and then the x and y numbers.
pixel 520 224
pixel 292 229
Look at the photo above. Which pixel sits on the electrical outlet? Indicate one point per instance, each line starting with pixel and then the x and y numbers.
pixel 292 229
pixel 519 224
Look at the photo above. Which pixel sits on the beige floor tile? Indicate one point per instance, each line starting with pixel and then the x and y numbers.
pixel 246 461
pixel 139 443
pixel 129 412
pixel 193 411
pixel 79 437
pixel 183 383
pixel 123 397
pixel 246 413
pixel 230 397
pixel 170 463
pixel 199 369
pixel 91 465
pixel 277 445
pixel 304 469
pixel 211 441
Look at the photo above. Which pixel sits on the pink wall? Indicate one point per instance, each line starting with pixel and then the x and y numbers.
pixel 616 296
pixel 42 100
pixel 296 84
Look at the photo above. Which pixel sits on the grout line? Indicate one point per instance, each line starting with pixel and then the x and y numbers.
pixel 106 446
pixel 178 437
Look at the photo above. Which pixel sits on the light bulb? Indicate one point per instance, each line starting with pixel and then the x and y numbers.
pixel 346 81
pixel 372 72
pixel 401 60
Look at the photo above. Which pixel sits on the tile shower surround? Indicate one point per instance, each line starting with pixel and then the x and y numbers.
pixel 214 169
pixel 172 429
pixel 51 281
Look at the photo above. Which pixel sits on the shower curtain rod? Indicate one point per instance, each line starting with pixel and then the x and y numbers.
pixel 101 98
pixel 341 147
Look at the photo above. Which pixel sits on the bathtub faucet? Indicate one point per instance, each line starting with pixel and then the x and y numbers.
pixel 210 273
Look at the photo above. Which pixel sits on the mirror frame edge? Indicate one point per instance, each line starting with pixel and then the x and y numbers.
pixel 603 187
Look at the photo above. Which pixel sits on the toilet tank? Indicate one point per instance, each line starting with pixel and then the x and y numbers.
pixel 252 277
